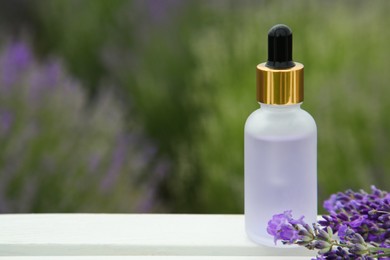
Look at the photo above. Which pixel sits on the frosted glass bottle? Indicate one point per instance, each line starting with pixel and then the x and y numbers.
pixel 280 167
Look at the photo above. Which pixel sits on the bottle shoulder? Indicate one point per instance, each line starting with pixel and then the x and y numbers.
pixel 297 122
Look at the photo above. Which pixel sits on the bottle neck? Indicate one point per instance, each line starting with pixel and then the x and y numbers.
pixel 280 108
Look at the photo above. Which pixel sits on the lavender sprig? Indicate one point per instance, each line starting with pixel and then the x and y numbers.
pixel 366 214
pixel 357 228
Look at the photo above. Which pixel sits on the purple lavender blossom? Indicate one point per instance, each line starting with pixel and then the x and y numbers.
pixel 360 220
pixel 367 214
pixel 351 246
pixel 342 232
pixel 281 227
pixel 329 204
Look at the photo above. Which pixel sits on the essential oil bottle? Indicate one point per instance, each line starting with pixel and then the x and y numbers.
pixel 280 143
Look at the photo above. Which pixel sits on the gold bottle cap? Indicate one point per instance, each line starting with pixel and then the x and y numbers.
pixel 280 80
pixel 279 86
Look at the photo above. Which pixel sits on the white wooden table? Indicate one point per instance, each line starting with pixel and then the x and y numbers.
pixel 133 236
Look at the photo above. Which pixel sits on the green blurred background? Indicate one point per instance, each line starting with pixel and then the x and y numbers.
pixel 163 89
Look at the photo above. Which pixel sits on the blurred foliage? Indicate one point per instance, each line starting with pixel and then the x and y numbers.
pixel 60 156
pixel 186 69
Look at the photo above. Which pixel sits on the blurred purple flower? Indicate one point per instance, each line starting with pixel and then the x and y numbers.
pixel 54 117
pixel 16 58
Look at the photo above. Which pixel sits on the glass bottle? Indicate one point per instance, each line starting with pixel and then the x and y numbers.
pixel 280 143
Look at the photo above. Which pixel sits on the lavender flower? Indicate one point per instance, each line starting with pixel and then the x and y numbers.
pixel 360 220
pixel 366 214
pixel 281 226
pixel 61 153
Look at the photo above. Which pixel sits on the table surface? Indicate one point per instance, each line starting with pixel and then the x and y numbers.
pixel 133 236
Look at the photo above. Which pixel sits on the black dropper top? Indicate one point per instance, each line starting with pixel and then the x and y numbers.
pixel 280 47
